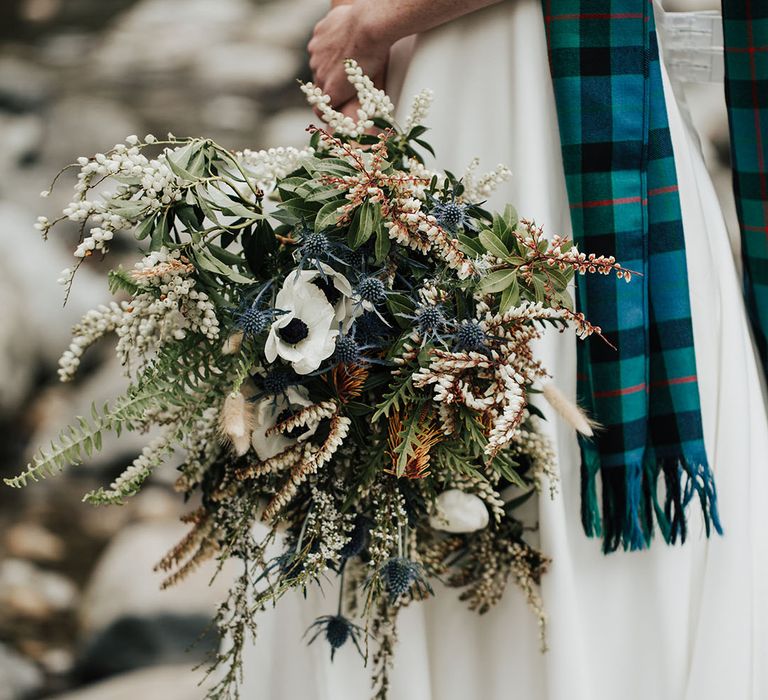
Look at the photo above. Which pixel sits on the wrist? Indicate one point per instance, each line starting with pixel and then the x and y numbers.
pixel 376 23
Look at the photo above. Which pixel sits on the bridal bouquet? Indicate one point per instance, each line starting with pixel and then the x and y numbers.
pixel 334 345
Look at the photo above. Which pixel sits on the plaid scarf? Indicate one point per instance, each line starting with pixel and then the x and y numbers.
pixel 745 29
pixel 622 187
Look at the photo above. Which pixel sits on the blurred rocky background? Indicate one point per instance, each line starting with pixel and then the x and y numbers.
pixel 81 616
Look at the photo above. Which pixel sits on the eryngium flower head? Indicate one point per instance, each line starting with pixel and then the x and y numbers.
pixel 400 575
pixel 470 336
pixel 450 215
pixel 338 629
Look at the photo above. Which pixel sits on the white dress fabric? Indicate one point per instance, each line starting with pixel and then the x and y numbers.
pixel 671 623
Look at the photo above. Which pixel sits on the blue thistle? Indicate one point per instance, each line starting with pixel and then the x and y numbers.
pixel 452 216
pixel 277 380
pixel 372 289
pixel 316 247
pixel 470 336
pixel 314 244
pixel 252 318
pixel 372 330
pixel 337 629
pixel 348 350
pixel 400 576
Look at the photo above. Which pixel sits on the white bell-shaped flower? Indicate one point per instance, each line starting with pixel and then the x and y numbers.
pixel 271 410
pixel 459 512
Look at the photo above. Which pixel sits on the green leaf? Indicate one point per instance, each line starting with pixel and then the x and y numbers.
pixel 539 290
pixel 322 193
pixel 399 305
pixel 207 262
pixel 127 208
pixel 160 233
pixel 510 297
pixel 493 244
pixel 497 281
pixel 363 224
pixel 470 246
pixel 145 228
pixel 182 173
pixel 383 244
pixel 328 215
pixel 510 216
pixel 205 204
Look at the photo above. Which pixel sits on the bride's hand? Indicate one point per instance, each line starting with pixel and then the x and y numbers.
pixel 345 33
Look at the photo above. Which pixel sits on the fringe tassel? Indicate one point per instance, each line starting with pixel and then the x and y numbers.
pixel 590 511
pixel 630 500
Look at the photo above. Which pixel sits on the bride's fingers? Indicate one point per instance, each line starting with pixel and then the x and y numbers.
pixel 349 109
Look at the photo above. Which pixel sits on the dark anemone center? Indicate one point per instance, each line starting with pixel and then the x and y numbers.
pixel 293 433
pixel 294 331
pixel 327 287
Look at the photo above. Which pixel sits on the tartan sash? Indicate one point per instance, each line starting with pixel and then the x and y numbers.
pixel 745 30
pixel 622 187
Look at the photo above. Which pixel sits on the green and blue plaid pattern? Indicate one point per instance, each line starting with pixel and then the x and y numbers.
pixel 745 29
pixel 622 187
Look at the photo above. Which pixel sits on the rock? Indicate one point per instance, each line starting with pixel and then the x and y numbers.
pixel 81 125
pixel 230 112
pixel 20 137
pixel 57 661
pixel 246 66
pixel 288 128
pixel 136 642
pixel 167 682
pixel 163 36
pixel 65 402
pixel 29 591
pixel 123 583
pixel 30 541
pixel 288 23
pixel 35 328
pixel 20 678
pixel 23 86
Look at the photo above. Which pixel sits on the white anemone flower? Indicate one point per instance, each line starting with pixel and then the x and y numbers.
pixel 271 410
pixel 306 334
pixel 459 512
pixel 337 290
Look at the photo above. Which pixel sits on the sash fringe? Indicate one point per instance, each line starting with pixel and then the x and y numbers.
pixel 631 500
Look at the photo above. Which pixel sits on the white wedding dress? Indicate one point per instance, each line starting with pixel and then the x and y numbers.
pixel 671 623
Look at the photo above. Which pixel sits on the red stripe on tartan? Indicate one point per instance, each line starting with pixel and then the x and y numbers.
pixel 643 387
pixel 619 392
pixel 623 200
pixel 604 202
pixel 756 112
pixel 677 380
pixel 746 49
pixel 662 190
pixel 596 15
pixel 756 229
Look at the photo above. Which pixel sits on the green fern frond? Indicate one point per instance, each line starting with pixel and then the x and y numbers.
pixel 121 280
pixel 401 393
pixel 81 440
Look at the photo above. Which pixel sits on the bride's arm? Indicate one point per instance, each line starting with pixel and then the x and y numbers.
pixel 366 29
